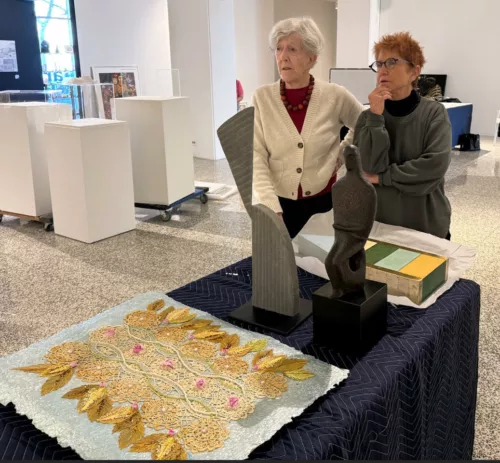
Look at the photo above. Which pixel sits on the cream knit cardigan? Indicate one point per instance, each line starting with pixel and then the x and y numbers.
pixel 283 158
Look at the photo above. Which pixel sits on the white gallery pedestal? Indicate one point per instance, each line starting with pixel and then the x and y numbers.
pixel 160 134
pixel 90 171
pixel 24 187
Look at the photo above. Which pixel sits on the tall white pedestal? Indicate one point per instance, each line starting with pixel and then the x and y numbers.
pixel 24 185
pixel 90 171
pixel 160 134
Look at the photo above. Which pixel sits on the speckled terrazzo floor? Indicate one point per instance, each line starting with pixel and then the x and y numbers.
pixel 48 282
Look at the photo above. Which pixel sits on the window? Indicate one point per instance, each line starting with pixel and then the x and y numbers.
pixel 55 32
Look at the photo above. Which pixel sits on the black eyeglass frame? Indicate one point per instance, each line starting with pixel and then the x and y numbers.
pixel 384 63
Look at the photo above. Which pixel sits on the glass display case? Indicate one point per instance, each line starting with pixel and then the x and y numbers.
pixel 29 96
pixel 88 100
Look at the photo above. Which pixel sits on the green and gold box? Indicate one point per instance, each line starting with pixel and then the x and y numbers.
pixel 407 272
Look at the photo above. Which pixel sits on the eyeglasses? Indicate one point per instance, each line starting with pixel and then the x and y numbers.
pixel 389 64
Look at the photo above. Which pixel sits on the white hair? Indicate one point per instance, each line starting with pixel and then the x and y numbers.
pixel 305 27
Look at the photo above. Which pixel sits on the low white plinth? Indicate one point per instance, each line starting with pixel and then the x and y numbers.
pixel 162 154
pixel 90 171
pixel 24 185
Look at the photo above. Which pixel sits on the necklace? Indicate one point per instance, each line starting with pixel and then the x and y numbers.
pixel 302 105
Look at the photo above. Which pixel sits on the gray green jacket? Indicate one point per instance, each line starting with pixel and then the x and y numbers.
pixel 411 155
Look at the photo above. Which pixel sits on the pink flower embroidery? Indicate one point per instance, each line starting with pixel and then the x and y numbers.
pixel 169 363
pixel 135 405
pixel 110 332
pixel 255 367
pixel 165 322
pixel 191 336
pixel 224 351
pixel 200 384
pixel 171 432
pixel 73 364
pixel 102 384
pixel 137 349
pixel 233 402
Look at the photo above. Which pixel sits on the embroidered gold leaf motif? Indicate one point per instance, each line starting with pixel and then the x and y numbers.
pixel 164 313
pixel 39 369
pixel 147 444
pixel 261 356
pixel 56 370
pixel 79 392
pixel 57 382
pixel 207 328
pixel 273 362
pixel 257 345
pixel 299 375
pixel 290 365
pixel 196 324
pixel 156 305
pixel 239 351
pixel 131 435
pixel 212 336
pixel 169 449
pixel 119 427
pixel 118 415
pixel 230 341
pixel 180 316
pixel 92 398
pixel 100 409
pixel 143 319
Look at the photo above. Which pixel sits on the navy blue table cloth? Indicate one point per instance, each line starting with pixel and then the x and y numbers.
pixel 413 396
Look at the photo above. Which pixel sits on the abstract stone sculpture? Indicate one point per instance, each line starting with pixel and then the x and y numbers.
pixel 275 285
pixel 354 208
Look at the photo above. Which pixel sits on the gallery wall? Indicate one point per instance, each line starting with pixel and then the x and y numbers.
pixel 18 23
pixel 115 33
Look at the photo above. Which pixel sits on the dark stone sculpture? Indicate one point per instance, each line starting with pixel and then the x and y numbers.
pixel 354 208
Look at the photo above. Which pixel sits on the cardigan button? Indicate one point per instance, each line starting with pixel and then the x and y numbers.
pixel 308 193
pixel 299 170
pixel 301 145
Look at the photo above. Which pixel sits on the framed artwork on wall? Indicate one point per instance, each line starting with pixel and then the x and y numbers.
pixel 125 79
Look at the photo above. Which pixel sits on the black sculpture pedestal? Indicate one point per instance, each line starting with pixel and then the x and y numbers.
pixel 353 323
pixel 272 321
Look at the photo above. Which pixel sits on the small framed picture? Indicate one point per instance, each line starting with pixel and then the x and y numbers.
pixel 125 79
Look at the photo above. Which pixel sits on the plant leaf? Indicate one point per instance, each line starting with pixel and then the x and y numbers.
pixel 210 335
pixel 257 345
pixel 57 382
pixel 147 444
pixel 261 356
pixel 299 375
pixel 100 409
pixel 273 362
pixel 180 316
pixel 119 427
pixel 118 415
pixel 290 365
pixel 131 435
pixel 169 449
pixel 239 351
pixel 56 370
pixel 156 305
pixel 164 313
pixel 79 392
pixel 39 369
pixel 94 397
pixel 230 341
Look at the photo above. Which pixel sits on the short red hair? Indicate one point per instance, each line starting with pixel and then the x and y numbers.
pixel 405 46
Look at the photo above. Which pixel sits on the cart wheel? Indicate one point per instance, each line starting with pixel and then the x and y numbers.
pixel 166 216
pixel 1 217
pixel 48 227
pixel 204 198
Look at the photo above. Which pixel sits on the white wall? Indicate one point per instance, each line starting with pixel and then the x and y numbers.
pixel 325 15
pixel 460 39
pixel 125 33
pixel 253 19
pixel 353 33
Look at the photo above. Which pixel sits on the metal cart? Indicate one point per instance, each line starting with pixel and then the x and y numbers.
pixel 47 220
pixel 168 209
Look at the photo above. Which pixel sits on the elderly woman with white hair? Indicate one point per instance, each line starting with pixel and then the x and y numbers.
pixel 297 147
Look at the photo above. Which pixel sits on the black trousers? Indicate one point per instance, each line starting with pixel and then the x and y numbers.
pixel 297 213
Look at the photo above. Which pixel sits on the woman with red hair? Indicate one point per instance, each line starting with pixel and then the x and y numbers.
pixel 405 141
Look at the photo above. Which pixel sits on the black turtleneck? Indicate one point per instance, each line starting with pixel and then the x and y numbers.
pixel 403 107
